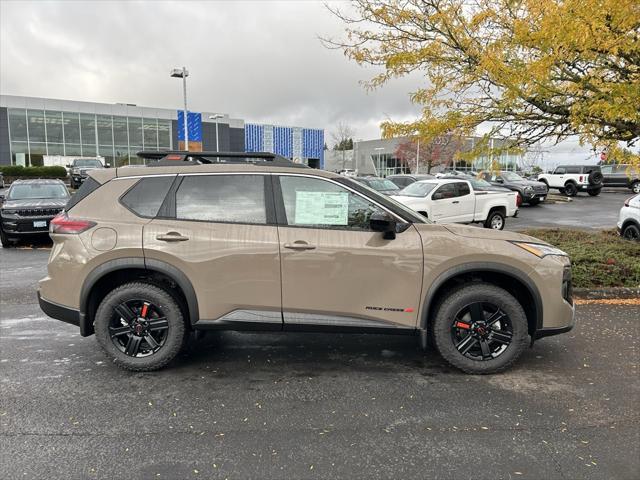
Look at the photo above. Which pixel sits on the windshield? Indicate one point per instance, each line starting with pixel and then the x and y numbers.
pixel 87 163
pixel 417 189
pixel 37 190
pixel 382 184
pixel 511 177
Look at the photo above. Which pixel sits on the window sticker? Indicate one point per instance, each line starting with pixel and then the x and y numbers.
pixel 322 208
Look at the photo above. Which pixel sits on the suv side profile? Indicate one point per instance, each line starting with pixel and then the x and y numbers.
pixel 571 179
pixel 621 175
pixel 240 241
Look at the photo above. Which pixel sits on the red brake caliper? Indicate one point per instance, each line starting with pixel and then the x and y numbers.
pixel 145 308
pixel 466 326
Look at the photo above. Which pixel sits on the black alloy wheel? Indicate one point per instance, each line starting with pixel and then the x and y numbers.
pixel 138 328
pixel 631 232
pixel 481 331
pixel 570 189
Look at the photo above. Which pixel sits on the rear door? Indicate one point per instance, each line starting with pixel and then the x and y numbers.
pixel 220 231
pixel 336 271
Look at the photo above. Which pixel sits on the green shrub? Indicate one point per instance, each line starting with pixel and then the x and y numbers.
pixel 17 171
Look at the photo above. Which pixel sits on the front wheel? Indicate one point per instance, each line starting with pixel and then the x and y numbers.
pixel 534 201
pixel 631 232
pixel 495 220
pixel 4 240
pixel 594 193
pixel 480 328
pixel 140 326
pixel 635 187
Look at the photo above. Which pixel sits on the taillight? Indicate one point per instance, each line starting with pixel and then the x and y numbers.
pixel 626 202
pixel 63 224
pixel 581 178
pixel 518 200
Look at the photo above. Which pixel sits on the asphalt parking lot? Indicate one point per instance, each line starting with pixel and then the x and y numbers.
pixel 583 212
pixel 312 405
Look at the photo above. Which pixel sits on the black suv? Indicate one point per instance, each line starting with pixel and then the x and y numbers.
pixel 79 168
pixel 404 180
pixel 621 175
pixel 532 192
pixel 28 208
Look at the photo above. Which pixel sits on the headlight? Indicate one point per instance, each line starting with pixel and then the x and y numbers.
pixel 540 250
pixel 528 189
pixel 76 171
pixel 9 212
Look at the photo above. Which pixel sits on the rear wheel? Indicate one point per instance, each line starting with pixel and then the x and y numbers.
pixel 480 328
pixel 631 232
pixel 140 326
pixel 570 189
pixel 495 220
pixel 594 193
pixel 635 186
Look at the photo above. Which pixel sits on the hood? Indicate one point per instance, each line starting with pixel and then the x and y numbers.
pixel 36 203
pixel 528 183
pixel 488 233
pixel 406 200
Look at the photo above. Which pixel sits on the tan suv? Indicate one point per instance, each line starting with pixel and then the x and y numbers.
pixel 144 256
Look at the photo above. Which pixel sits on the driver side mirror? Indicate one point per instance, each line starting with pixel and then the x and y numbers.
pixel 383 222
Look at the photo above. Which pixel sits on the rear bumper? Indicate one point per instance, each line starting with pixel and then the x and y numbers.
pixel 59 312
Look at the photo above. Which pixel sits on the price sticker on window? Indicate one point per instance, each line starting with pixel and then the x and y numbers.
pixel 322 208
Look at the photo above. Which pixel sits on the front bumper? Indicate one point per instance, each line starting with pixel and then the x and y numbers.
pixel 15 225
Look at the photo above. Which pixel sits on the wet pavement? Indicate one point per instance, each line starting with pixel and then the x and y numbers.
pixel 312 405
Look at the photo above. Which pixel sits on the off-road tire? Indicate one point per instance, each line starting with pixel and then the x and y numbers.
pixel 571 189
pixel 635 186
pixel 176 336
pixel 453 302
pixel 631 232
pixel 595 192
pixel 595 178
pixel 561 191
pixel 495 214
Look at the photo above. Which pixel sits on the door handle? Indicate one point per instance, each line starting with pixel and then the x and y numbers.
pixel 456 201
pixel 172 237
pixel 299 245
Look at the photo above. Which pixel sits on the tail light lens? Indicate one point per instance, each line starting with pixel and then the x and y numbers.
pixel 518 200
pixel 626 202
pixel 63 224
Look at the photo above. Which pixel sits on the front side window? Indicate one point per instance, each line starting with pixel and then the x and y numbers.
pixel 222 198
pixel 560 170
pixel 448 190
pixel 312 202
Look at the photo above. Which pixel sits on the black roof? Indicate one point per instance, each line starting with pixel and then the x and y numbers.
pixel 165 158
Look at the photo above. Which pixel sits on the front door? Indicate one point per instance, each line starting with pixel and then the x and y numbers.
pixel 336 271
pixel 220 235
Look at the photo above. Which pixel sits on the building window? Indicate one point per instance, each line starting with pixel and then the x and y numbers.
pixel 19 153
pixel 120 136
pixel 53 121
pixel 135 132
pixel 150 133
pixel 18 125
pixel 105 131
pixel 37 151
pixel 35 120
pixel 88 132
pixel 164 134
pixel 71 122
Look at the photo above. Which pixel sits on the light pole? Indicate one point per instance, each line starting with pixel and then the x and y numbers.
pixel 378 149
pixel 183 74
pixel 216 117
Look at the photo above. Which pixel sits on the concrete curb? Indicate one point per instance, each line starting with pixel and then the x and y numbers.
pixel 606 293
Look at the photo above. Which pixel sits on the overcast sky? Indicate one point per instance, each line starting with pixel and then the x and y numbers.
pixel 256 60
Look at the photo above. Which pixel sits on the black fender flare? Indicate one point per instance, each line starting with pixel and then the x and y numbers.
pixel 480 267
pixel 151 265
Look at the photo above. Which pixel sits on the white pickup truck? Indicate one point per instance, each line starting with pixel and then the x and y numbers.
pixel 571 179
pixel 454 200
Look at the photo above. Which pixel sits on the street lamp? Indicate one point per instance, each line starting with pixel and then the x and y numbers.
pixel 216 117
pixel 183 74
pixel 378 149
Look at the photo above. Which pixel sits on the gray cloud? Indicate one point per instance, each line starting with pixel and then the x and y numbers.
pixel 261 61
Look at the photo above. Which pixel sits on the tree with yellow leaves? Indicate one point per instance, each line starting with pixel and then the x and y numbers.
pixel 529 70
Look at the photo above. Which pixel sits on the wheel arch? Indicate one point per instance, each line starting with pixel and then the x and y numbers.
pixel 117 271
pixel 504 276
pixel 629 221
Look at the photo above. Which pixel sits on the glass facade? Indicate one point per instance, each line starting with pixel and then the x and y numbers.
pixel 35 134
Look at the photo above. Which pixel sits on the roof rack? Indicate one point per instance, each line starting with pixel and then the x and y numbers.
pixel 164 158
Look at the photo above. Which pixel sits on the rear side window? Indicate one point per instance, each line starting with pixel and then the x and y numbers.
pixel 574 169
pixel 87 188
pixel 146 196
pixel 222 198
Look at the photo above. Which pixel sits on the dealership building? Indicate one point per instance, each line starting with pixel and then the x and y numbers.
pixel 42 131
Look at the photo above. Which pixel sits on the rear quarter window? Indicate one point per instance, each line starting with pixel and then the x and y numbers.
pixel 145 197
pixel 87 188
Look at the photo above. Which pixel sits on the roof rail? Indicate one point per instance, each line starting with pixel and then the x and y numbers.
pixel 169 157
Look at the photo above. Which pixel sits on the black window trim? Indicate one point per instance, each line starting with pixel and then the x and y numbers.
pixel 168 209
pixel 140 178
pixel 281 213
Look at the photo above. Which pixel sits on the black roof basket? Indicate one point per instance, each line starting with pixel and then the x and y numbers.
pixel 165 158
